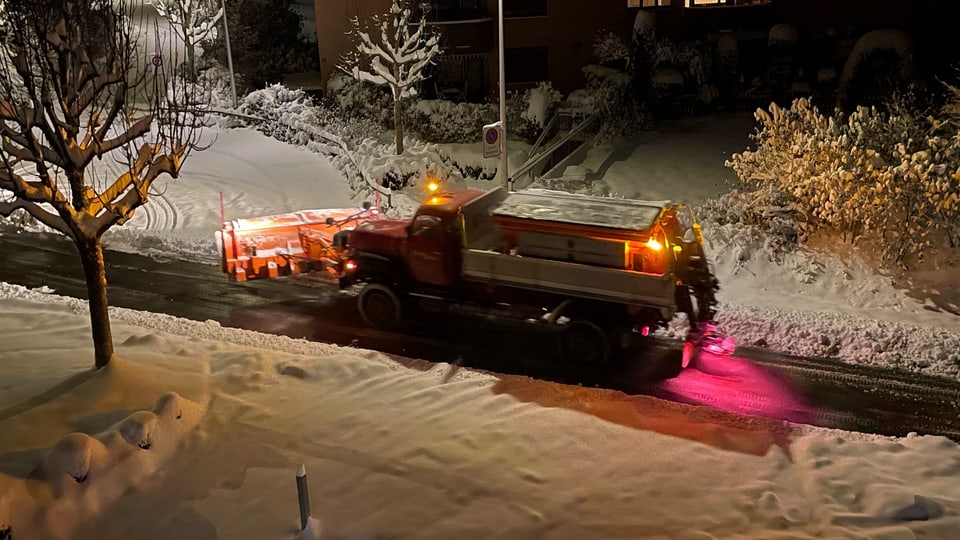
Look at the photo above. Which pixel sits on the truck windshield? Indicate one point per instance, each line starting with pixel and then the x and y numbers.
pixel 427 226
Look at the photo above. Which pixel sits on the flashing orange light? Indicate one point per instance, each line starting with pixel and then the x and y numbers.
pixel 434 200
pixel 433 186
pixel 653 244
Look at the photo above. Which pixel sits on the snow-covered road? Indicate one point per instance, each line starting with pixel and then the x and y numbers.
pixel 255 174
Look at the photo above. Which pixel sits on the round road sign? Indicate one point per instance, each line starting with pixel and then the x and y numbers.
pixel 491 136
pixel 156 60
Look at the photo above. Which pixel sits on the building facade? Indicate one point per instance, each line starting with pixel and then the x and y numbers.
pixel 545 40
pixel 553 39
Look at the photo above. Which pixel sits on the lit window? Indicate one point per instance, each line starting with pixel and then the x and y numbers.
pixel 648 3
pixel 707 3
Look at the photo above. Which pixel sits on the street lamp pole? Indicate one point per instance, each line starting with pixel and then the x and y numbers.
pixel 226 35
pixel 503 104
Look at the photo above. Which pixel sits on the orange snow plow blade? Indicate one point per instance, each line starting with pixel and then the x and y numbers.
pixel 285 244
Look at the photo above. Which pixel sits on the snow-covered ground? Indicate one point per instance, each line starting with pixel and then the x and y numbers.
pixel 421 450
pixel 410 450
pixel 255 174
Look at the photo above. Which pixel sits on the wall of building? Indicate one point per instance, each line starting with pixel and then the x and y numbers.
pixel 333 22
pixel 568 28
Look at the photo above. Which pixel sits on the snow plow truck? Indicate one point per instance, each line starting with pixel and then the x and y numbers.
pixel 594 270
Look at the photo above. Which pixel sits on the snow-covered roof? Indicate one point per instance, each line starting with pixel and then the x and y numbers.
pixel 559 206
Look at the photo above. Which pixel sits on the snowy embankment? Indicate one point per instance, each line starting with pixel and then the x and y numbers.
pixel 427 450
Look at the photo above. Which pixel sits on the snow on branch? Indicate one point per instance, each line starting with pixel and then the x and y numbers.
pixel 399 56
pixel 193 20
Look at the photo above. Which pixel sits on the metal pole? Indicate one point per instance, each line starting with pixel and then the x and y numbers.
pixel 226 35
pixel 508 182
pixel 303 496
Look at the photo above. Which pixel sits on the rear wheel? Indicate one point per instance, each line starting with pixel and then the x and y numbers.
pixel 584 342
pixel 380 306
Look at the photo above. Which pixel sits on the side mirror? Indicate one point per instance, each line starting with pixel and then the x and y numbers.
pixel 367 205
pixel 330 222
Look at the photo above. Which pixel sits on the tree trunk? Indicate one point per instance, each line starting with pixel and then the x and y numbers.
pixel 398 125
pixel 91 256
pixel 188 45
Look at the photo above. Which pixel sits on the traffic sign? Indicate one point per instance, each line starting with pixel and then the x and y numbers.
pixel 157 60
pixel 492 140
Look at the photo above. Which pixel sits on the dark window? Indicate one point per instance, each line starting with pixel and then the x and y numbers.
pixel 525 64
pixel 648 3
pixel 524 8
pixel 460 77
pixel 453 10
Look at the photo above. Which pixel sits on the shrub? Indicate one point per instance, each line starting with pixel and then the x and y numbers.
pixel 529 111
pixel 360 100
pixel 621 113
pixel 440 121
pixel 892 178
pixel 611 50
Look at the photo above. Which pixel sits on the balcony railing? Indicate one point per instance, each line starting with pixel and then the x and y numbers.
pixel 450 11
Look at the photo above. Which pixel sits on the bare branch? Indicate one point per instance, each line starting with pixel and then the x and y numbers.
pixel 53 221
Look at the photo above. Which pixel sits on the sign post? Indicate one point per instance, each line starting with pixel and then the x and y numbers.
pixel 492 140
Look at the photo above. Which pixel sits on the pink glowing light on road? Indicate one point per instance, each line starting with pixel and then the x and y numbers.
pixel 736 385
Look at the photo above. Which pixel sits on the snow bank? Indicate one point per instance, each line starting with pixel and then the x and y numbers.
pixel 415 452
pixel 82 475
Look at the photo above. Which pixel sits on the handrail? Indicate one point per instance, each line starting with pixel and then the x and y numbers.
pixel 543 134
pixel 532 162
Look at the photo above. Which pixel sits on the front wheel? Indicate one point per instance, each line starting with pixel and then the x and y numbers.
pixel 380 306
pixel 584 342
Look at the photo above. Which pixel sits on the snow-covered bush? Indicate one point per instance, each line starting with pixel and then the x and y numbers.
pixel 529 111
pixel 215 78
pixel 877 75
pixel 689 58
pixel 768 210
pixel 441 121
pixel 281 111
pixel 360 100
pixel 611 49
pixel 620 112
pixel 882 177
pixel 419 162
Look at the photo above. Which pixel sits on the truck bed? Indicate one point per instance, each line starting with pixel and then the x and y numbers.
pixel 585 281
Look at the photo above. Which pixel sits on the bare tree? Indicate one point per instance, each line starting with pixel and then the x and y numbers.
pixel 398 58
pixel 193 21
pixel 70 94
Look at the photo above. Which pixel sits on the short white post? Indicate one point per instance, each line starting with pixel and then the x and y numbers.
pixel 303 496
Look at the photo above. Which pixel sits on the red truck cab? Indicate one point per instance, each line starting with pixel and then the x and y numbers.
pixel 429 244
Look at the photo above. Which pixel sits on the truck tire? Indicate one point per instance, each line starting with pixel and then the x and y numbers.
pixel 380 306
pixel 584 342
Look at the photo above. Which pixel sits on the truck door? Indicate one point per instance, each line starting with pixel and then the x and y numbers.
pixel 430 252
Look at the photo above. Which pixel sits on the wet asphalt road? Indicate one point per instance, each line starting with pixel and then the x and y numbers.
pixel 833 394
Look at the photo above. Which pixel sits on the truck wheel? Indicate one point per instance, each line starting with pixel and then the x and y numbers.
pixel 379 306
pixel 584 342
